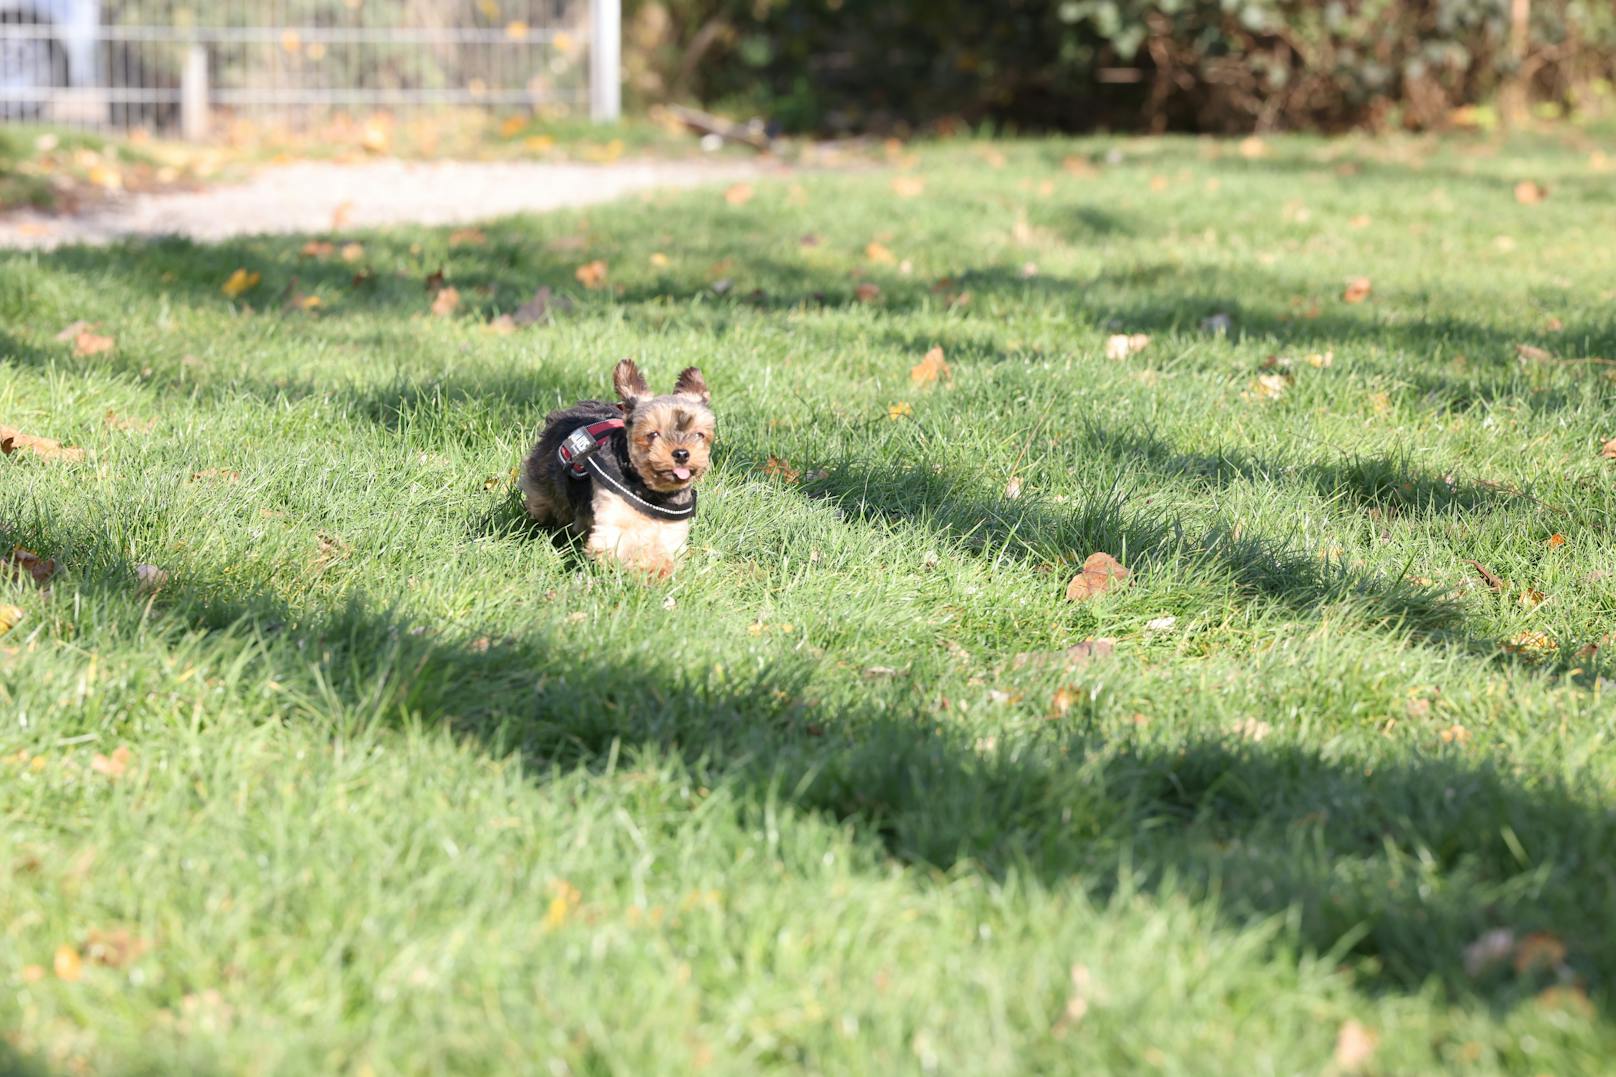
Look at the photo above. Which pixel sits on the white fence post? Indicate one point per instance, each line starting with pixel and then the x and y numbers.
pixel 605 60
pixel 194 94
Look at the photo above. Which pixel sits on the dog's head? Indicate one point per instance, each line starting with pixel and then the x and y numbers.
pixel 669 437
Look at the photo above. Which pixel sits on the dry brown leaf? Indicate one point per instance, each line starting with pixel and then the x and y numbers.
pixel 1609 450
pixel 591 274
pixel 114 765
pixel 1492 580
pixel 908 186
pixel 1270 386
pixel 318 248
pixel 1567 998
pixel 220 474
pixel 10 617
pixel 340 215
pixel 1539 950
pixel 1081 653
pixel 1100 573
pixel 1532 644
pixel 1253 729
pixel 867 292
pixel 73 331
pixel 1122 345
pixel 21 565
pixel 504 325
pixel 780 469
pixel 538 308
pixel 878 253
pixel 1530 192
pixel 115 948
pixel 1532 598
pixel 445 302
pixel 931 369
pixel 13 440
pixel 468 237
pixel 67 963
pixel 738 194
pixel 1252 147
pixel 87 343
pixel 1528 353
pixel 1062 701
pixel 1556 541
pixel 1012 489
pixel 1358 289
pixel 1355 1045
pixel 1321 360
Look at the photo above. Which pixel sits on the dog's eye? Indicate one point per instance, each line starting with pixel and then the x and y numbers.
pixel 700 436
pixel 652 436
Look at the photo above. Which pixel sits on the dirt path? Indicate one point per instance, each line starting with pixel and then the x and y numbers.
pixel 304 197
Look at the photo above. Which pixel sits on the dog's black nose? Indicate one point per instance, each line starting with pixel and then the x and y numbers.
pixel 681 455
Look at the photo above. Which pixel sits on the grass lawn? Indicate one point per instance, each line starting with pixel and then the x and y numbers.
pixel 380 780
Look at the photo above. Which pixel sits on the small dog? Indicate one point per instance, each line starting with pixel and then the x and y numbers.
pixel 622 474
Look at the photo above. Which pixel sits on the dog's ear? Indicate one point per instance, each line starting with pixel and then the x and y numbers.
pixel 692 384
pixel 629 382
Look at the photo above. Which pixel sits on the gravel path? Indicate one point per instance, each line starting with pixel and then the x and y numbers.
pixel 304 197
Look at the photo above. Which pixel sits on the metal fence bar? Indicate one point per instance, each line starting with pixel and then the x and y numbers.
pixel 605 43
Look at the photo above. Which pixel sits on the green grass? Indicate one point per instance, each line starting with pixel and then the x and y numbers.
pixel 410 788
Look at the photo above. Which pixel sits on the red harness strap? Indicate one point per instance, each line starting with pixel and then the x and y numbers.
pixel 582 442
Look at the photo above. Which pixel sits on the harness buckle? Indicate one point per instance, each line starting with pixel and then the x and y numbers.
pixel 576 447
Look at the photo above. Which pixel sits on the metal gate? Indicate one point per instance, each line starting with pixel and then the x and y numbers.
pixel 173 65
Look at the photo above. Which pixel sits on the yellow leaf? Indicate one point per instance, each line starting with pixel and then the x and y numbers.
pixel 10 617
pixel 908 186
pixel 931 369
pixel 241 281
pixel 1122 345
pixel 879 254
pixel 67 963
pixel 738 194
pixel 899 410
pixel 659 260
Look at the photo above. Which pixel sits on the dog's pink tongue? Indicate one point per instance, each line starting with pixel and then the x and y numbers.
pixel 681 473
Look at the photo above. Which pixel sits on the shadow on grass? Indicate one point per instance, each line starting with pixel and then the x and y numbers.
pixel 1394 862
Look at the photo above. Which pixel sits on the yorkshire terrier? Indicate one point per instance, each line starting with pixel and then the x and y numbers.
pixel 622 474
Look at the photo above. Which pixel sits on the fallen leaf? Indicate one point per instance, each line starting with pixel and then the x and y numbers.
pixel 87 343
pixel 867 292
pixel 10 617
pixel 1012 489
pixel 1530 193
pixel 1491 579
pixel 591 274
pixel 1556 541
pixel 1062 701
pixel 216 473
pixel 1358 289
pixel 1609 450
pixel 150 578
pixel 1100 572
pixel 1028 270
pixel 435 281
pixel 1086 651
pixel 114 765
pixel 32 974
pixel 1362 220
pixel 340 215
pixel 659 260
pixel 779 469
pixel 931 369
pixel 1455 734
pixel 1252 147
pixel 1122 345
pixel 537 309
pixel 67 963
pixel 21 565
pixel 504 325
pixel 318 248
pixel 1532 598
pixel 1539 950
pixel 1271 386
pixel 445 302
pixel 1354 1046
pixel 1161 624
pixel 878 253
pixel 72 331
pixel 738 194
pixel 1528 353
pixel 13 440
pixel 240 282
pixel 115 948
pixel 1534 644
pixel 899 410
pixel 908 186
pixel 1321 360
pixel 1567 998
pixel 468 237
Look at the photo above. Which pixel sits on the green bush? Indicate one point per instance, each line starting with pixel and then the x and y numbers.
pixel 1217 65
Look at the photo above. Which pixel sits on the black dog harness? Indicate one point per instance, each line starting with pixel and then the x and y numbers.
pixel 580 454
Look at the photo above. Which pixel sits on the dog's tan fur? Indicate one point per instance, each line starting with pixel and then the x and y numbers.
pixel 664 433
